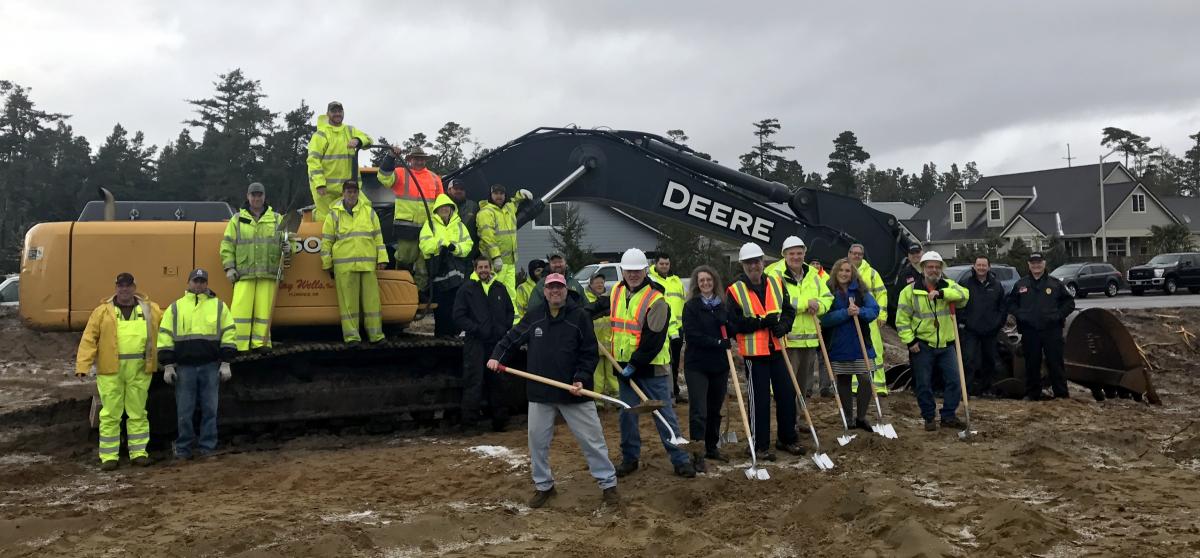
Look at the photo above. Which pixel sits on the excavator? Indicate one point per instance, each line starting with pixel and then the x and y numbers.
pixel 310 376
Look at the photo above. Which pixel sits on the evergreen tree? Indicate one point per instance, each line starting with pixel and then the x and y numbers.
pixel 765 156
pixel 681 138
pixel 27 136
pixel 1128 143
pixel 970 174
pixel 568 237
pixel 285 172
pixel 124 166
pixel 449 154
pixel 953 180
pixel 846 153
pixel 236 126
pixel 180 169
pixel 689 250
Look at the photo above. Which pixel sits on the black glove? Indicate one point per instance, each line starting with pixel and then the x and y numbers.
pixel 330 270
pixel 388 164
pixel 450 247
pixel 770 320
pixel 724 343
pixel 942 284
pixel 779 330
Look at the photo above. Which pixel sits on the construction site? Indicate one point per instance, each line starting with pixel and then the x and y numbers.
pixel 1060 478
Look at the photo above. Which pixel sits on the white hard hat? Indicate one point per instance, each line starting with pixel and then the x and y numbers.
pixel 792 242
pixel 634 260
pixel 932 256
pixel 749 251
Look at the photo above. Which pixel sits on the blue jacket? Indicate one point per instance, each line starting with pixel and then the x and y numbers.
pixel 838 326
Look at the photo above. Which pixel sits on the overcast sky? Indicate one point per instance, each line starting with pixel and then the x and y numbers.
pixel 1007 84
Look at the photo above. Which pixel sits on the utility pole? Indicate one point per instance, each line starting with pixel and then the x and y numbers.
pixel 1069 157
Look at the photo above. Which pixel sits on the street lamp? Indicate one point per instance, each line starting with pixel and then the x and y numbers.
pixel 1103 213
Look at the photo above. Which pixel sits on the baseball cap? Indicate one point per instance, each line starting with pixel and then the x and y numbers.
pixel 256 188
pixel 198 273
pixel 124 278
pixel 334 105
pixel 556 278
pixel 1036 257
pixel 914 248
pixel 457 183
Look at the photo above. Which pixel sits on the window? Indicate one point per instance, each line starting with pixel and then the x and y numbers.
pixel 1117 247
pixel 553 215
pixel 957 209
pixel 994 210
pixel 1139 203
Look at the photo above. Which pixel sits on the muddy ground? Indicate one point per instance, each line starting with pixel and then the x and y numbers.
pixel 1061 478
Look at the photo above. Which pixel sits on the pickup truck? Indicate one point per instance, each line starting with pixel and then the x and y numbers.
pixel 1169 272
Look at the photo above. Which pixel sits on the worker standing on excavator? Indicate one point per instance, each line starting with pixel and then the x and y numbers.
pixel 351 250
pixel 673 289
pixel 251 250
pixel 497 222
pixel 415 195
pixel 331 158
pixel 760 315
pixel 118 346
pixel 525 290
pixel 445 244
pixel 872 283
pixel 640 321
pixel 467 209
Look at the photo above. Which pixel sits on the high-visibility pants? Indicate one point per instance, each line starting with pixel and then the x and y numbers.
pixel 879 374
pixel 408 256
pixel 124 393
pixel 321 203
pixel 253 300
pixel 358 298
pixel 508 277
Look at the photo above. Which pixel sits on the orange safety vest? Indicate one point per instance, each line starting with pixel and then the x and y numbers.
pixel 406 189
pixel 760 341
pixel 626 325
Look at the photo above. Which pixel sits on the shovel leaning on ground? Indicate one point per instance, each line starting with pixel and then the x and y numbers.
pixel 883 429
pixel 962 378
pixel 820 458
pixel 753 473
pixel 676 439
pixel 645 407
pixel 846 436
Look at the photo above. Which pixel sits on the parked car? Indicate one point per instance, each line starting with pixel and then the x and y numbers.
pixel 8 291
pixel 1084 278
pixel 612 276
pixel 1168 272
pixel 1007 274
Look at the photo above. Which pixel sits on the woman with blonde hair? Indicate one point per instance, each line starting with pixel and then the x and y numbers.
pixel 850 300
pixel 704 361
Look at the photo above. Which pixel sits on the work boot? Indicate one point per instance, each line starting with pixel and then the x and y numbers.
pixel 609 496
pixel 627 467
pixel 952 422
pixel 540 497
pixel 793 448
pixel 930 425
pixel 698 462
pixel 141 461
pixel 827 393
pixel 715 455
pixel 686 470
pixel 862 424
pixel 108 465
pixel 763 454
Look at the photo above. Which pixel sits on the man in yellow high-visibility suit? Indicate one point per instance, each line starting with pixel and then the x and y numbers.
pixel 672 286
pixel 497 222
pixel 251 250
pixel 331 153
pixel 118 346
pixel 878 289
pixel 351 250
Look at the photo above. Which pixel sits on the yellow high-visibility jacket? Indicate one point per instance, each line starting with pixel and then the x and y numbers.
pixel 918 319
pixel 673 290
pixel 498 229
pixel 99 342
pixel 352 241
pixel 253 247
pixel 804 332
pixel 878 289
pixel 433 238
pixel 330 161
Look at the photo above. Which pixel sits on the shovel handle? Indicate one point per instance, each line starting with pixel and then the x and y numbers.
pixel 737 390
pixel 799 394
pixel 962 374
pixel 556 383
pixel 829 368
pixel 616 365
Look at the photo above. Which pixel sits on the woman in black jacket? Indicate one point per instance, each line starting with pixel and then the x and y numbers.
pixel 706 367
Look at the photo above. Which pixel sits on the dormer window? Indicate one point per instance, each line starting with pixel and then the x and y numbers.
pixel 957 211
pixel 994 210
pixel 1139 203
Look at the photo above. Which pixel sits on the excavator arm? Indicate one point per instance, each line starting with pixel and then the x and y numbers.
pixel 652 177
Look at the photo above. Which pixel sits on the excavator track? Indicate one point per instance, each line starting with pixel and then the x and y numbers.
pixel 404 379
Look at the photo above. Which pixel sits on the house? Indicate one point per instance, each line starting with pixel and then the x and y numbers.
pixel 1033 206
pixel 1187 210
pixel 609 232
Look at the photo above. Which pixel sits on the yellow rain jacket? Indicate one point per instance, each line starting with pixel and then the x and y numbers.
pixel 352 241
pixel 99 342
pixel 331 162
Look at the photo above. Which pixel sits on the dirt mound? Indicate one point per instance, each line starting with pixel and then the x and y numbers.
pixel 1017 529
pixel 910 539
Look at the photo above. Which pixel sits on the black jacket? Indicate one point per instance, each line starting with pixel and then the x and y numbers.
pixel 742 324
pixel 986 313
pixel 485 317
pixel 1040 304
pixel 702 336
pixel 907 276
pixel 561 347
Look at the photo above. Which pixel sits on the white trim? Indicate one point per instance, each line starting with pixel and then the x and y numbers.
pixel 955 195
pixel 1133 199
pixel 1143 190
pixel 999 209
pixel 549 213
pixel 636 220
pixel 1027 222
pixel 962 212
pixel 1033 193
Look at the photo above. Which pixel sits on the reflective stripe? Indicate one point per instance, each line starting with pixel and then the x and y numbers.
pixel 137 437
pixel 337 180
pixel 324 157
pixel 373 314
pixel 260 240
pixel 110 450
pixel 320 133
pixel 366 234
pixel 110 439
pixel 801 336
pixel 315 173
pixel 351 260
pixel 131 356
pixel 195 337
pixel 674 295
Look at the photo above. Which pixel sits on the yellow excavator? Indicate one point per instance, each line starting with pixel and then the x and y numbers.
pixel 310 375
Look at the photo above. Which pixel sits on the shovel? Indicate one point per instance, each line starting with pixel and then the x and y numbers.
pixel 753 473
pixel 883 429
pixel 645 407
pixel 676 440
pixel 846 436
pixel 962 378
pixel 821 459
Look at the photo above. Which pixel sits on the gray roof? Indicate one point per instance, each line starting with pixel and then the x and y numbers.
pixel 899 210
pixel 1187 210
pixel 1071 192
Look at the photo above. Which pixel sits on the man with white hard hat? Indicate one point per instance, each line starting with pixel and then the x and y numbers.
pixel 761 315
pixel 809 295
pixel 924 323
pixel 640 320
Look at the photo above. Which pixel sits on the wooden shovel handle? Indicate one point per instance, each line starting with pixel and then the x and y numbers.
pixel 828 365
pixel 552 383
pixel 641 395
pixel 795 383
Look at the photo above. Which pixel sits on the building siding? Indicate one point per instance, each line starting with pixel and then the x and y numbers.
pixel 607 232
pixel 1124 222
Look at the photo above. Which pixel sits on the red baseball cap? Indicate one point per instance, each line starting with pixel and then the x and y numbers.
pixel 556 278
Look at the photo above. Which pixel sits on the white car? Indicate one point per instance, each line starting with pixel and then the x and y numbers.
pixel 612 275
pixel 8 291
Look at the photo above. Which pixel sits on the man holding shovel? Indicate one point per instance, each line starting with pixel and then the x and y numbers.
pixel 925 325
pixel 562 346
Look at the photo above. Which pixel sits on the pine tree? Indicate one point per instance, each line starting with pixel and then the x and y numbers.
pixel 953 180
pixel 689 250
pixel 448 152
pixel 681 138
pixel 970 174
pixel 236 126
pixel 1128 143
pixel 764 157
pixel 846 154
pixel 27 138
pixel 124 166
pixel 285 172
pixel 568 236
